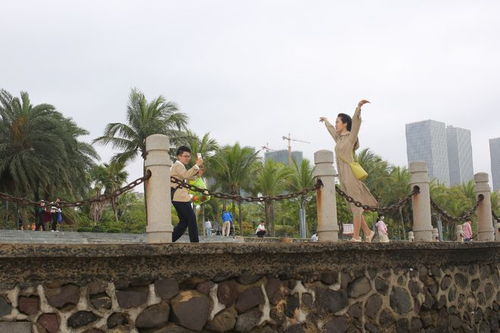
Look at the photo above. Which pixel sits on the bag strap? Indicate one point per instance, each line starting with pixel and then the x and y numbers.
pixel 343 160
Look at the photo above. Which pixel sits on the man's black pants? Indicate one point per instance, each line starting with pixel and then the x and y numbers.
pixel 187 219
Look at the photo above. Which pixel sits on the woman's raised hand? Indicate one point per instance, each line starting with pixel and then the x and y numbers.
pixel 322 119
pixel 362 102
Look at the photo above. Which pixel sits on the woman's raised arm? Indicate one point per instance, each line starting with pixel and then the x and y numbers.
pixel 356 120
pixel 331 129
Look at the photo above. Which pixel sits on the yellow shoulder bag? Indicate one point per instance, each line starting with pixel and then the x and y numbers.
pixel 357 169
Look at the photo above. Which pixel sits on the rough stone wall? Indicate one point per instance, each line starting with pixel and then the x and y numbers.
pixel 427 295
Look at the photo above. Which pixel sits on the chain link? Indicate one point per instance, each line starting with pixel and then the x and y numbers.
pixel 380 210
pixel 100 198
pixel 460 219
pixel 239 198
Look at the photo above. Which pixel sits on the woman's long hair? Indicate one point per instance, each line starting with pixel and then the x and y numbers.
pixel 346 119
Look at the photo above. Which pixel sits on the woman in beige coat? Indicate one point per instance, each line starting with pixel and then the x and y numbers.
pixel 345 133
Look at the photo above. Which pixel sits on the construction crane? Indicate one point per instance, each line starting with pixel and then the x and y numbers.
pixel 290 139
pixel 266 148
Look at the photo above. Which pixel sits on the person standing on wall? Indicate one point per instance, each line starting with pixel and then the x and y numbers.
pixel 345 134
pixel 180 195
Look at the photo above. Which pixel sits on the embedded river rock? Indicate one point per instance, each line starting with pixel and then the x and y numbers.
pixel 255 287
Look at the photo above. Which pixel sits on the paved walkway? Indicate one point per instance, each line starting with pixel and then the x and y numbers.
pixel 64 237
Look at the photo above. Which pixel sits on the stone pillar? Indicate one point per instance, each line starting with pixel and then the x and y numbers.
pixel 328 228
pixel 435 235
pixel 422 225
pixel 460 233
pixel 485 230
pixel 159 227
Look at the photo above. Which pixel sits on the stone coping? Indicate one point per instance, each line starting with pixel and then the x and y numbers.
pixel 24 250
pixel 33 264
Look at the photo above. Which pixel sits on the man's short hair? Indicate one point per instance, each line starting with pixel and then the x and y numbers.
pixel 183 149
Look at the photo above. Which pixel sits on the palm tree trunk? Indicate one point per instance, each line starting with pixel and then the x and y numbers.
pixel 267 212
pixel 239 218
pixel 113 206
pixel 302 215
pixel 402 222
pixel 271 211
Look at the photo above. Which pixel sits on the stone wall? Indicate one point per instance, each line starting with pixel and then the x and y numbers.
pixel 397 287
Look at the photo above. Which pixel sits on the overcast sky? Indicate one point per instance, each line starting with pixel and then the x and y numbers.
pixel 252 71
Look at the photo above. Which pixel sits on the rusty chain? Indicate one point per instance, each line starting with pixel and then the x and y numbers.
pixel 457 219
pixel 239 198
pixel 100 198
pixel 396 205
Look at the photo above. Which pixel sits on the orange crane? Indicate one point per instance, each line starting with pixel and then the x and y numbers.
pixel 290 139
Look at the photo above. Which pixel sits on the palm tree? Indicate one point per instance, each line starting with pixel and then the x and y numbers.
pixel 398 186
pixel 301 177
pixel 272 179
pixel 111 177
pixel 40 153
pixel 143 119
pixel 232 168
pixel 206 146
pixel 378 171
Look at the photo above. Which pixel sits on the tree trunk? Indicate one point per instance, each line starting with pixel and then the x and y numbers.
pixel 302 222
pixel 113 206
pixel 240 220
pixel 402 222
pixel 267 212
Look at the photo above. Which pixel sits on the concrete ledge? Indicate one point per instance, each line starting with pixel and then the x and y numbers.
pixel 31 264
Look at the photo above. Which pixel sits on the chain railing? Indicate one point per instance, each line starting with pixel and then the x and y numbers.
pixel 239 198
pixel 100 198
pixel 457 219
pixel 380 210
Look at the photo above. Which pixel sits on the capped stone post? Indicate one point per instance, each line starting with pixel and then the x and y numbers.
pixel 460 233
pixel 326 204
pixel 485 230
pixel 159 227
pixel 422 223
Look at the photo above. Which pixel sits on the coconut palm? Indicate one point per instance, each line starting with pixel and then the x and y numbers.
pixel 144 118
pixel 111 177
pixel 272 179
pixel 206 146
pixel 40 154
pixel 232 169
pixel 397 187
pixel 301 177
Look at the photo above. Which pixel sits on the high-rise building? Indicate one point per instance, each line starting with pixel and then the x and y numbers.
pixel 495 163
pixel 282 156
pixel 426 141
pixel 459 155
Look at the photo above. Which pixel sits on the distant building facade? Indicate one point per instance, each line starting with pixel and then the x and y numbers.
pixel 426 141
pixel 282 156
pixel 495 163
pixel 459 155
